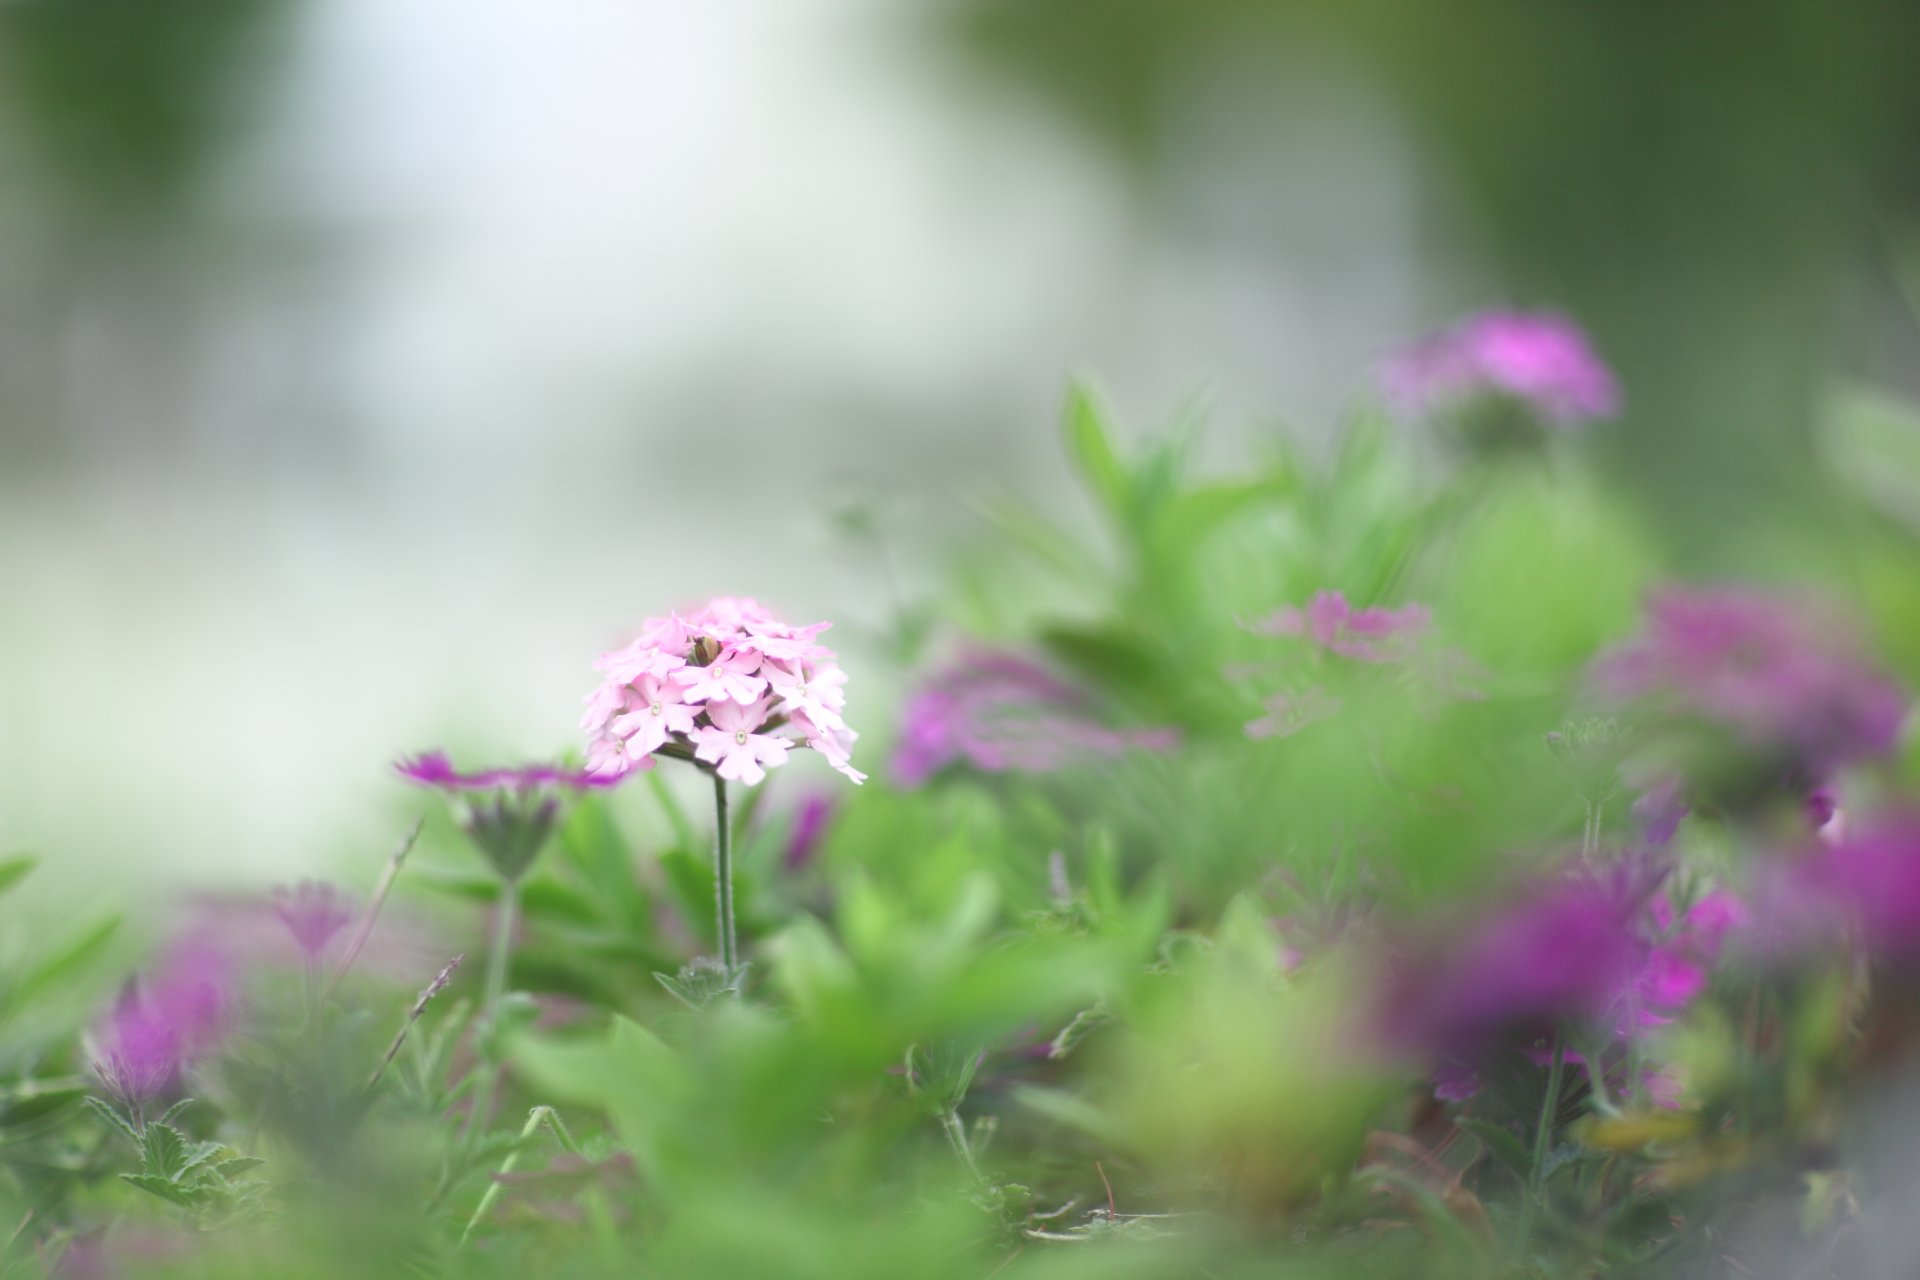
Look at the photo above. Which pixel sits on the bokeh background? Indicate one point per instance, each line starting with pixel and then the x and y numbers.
pixel 366 367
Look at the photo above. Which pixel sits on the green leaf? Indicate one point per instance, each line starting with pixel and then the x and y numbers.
pixel 15 868
pixel 67 962
pixel 36 1100
pixel 235 1165
pixel 1092 451
pixel 163 1150
pixel 1501 1144
pixel 106 1111
pixel 186 1197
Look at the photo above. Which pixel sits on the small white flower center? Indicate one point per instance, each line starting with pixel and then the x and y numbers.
pixel 654 709
pixel 740 736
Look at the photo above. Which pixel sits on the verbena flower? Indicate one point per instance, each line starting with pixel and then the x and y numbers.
pixel 728 685
pixel 508 813
pixel 159 1026
pixel 1539 359
pixel 1772 681
pixel 313 913
pixel 1000 712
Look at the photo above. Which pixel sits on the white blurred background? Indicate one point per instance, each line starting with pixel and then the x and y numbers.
pixel 478 331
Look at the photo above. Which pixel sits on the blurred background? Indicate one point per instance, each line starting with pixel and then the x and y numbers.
pixel 366 368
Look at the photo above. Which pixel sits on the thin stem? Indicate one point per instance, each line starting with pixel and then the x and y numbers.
pixel 507 910
pixel 433 989
pixel 1549 1107
pixel 379 899
pixel 534 1119
pixel 1590 834
pixel 723 875
pixel 957 1138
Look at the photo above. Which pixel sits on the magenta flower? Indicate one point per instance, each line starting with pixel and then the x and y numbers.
pixel 998 711
pixel 508 813
pixel 159 1027
pixel 1329 622
pixel 313 913
pixel 1566 948
pixel 1775 678
pixel 810 823
pixel 1865 885
pixel 1541 360
pixel 728 685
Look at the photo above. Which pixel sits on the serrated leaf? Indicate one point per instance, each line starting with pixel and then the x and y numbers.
pixel 235 1165
pixel 167 1190
pixel 112 1116
pixel 168 1116
pixel 163 1149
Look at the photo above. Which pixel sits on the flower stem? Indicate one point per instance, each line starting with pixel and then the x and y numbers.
pixel 506 912
pixel 723 875
pixel 1549 1107
pixel 957 1136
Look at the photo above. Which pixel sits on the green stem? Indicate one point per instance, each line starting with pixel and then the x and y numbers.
pixel 506 912
pixel 957 1137
pixel 1549 1107
pixel 534 1120
pixel 723 875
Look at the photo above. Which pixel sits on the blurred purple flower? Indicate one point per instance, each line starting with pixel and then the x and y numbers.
pixel 434 769
pixel 1780 678
pixel 1001 712
pixel 1568 947
pixel 1865 885
pixel 157 1028
pixel 1541 359
pixel 1328 621
pixel 313 913
pixel 1659 810
pixel 508 813
pixel 809 827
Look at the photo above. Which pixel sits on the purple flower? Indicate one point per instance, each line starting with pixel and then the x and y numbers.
pixel 1776 677
pixel 1000 712
pixel 1541 359
pixel 434 769
pixel 809 828
pixel 508 813
pixel 1659 810
pixel 159 1027
pixel 1566 948
pixel 1866 884
pixel 313 913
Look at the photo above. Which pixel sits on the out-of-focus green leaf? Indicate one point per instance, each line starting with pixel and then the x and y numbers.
pixel 15 868
pixel 1090 446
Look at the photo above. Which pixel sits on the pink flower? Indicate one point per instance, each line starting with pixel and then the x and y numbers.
pixel 313 913
pixel 1772 676
pixel 1000 711
pixel 1366 635
pixel 729 676
pixel 159 1027
pixel 732 743
pixel 1541 360
pixel 659 710
pixel 687 686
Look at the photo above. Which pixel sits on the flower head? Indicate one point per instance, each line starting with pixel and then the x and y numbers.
pixel 1540 360
pixel 508 813
pixel 313 913
pixel 999 711
pixel 1864 885
pixel 728 685
pixel 1775 679
pixel 160 1026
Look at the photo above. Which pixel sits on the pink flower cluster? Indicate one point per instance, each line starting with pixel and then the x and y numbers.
pixel 1776 676
pixel 1538 358
pixel 1002 712
pixel 728 685
pixel 1365 635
